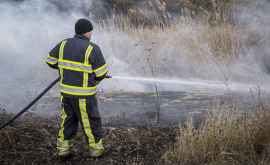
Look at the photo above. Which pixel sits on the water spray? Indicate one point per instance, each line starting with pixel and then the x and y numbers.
pixel 197 83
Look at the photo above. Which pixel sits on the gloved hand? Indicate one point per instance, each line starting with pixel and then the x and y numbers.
pixel 108 75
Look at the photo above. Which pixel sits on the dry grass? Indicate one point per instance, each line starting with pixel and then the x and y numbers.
pixel 214 11
pixel 226 137
pixel 186 38
pixel 197 37
pixel 193 49
pixel 224 41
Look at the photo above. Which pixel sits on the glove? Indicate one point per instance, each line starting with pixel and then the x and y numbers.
pixel 108 75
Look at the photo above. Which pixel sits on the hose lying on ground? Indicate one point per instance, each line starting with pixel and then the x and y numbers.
pixel 30 104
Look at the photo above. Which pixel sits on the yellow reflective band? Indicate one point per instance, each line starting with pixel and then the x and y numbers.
pixel 61 55
pixel 77 94
pixel 87 54
pixel 76 87
pixel 51 61
pixel 102 73
pixel 61 51
pixel 101 70
pixel 75 67
pixel 61 74
pixel 73 62
pixel 86 62
pixel 85 79
pixel 63 118
pixel 49 56
pixel 86 122
pixel 78 91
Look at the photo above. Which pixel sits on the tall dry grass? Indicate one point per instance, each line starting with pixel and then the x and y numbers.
pixel 215 11
pixel 223 37
pixel 185 48
pixel 191 39
pixel 217 20
pixel 192 48
pixel 226 137
pixel 224 40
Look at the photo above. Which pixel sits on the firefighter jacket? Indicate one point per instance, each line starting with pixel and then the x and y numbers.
pixel 81 66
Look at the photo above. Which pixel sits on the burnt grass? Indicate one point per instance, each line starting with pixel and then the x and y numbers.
pixel 32 140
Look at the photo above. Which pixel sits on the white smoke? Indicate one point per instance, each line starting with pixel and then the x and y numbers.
pixel 28 30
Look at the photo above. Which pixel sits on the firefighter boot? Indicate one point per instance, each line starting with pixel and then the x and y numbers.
pixel 97 149
pixel 63 148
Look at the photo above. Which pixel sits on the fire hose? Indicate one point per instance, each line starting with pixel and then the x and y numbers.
pixel 30 104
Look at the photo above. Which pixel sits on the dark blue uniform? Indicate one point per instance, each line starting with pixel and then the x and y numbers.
pixel 81 67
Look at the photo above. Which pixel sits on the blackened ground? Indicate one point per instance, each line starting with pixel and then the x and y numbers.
pixel 32 140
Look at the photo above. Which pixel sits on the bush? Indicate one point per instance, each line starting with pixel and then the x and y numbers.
pixel 227 137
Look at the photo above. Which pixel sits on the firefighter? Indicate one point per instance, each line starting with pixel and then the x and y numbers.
pixel 81 66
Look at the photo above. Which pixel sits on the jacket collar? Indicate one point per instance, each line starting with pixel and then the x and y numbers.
pixel 81 37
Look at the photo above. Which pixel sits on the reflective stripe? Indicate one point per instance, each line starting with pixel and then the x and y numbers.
pixel 85 79
pixel 62 144
pixel 61 72
pixel 61 51
pixel 86 62
pixel 76 67
pixel 51 60
pixel 78 91
pixel 87 54
pixel 101 70
pixel 63 118
pixel 61 55
pixel 86 122
pixel 73 62
pixel 76 87
pixel 49 56
pixel 84 67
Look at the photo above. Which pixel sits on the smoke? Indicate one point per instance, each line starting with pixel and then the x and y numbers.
pixel 186 49
pixel 253 64
pixel 29 29
pixel 255 20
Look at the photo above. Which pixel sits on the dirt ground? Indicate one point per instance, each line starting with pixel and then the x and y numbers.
pixel 32 140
